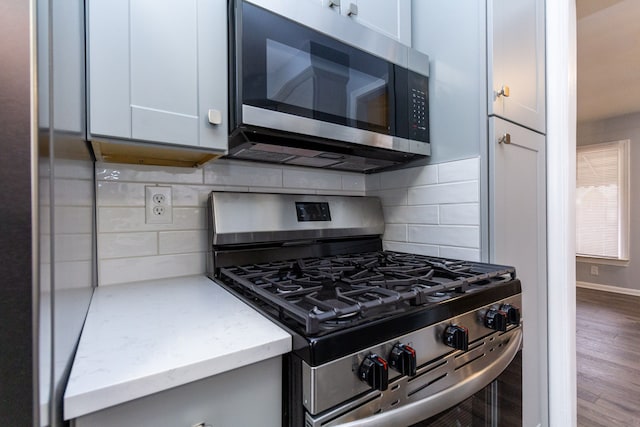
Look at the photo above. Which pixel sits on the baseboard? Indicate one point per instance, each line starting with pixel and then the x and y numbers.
pixel 608 288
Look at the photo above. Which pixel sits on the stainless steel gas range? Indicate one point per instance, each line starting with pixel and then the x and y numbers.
pixel 380 338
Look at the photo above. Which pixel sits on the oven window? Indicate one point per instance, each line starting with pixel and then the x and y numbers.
pixel 290 68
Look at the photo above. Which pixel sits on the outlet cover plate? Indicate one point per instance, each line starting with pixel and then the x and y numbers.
pixel 158 204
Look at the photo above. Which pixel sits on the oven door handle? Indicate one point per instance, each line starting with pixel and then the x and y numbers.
pixel 418 411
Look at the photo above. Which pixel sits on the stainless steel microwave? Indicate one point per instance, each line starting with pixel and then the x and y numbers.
pixel 310 87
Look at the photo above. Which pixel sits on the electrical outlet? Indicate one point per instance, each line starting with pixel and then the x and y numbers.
pixel 158 204
pixel 594 270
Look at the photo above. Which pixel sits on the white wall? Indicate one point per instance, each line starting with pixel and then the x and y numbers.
pixel 614 129
pixel 430 210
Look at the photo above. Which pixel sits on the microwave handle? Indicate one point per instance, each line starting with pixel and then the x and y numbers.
pixel 438 402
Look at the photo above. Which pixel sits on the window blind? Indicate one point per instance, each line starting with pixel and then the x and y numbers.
pixel 602 200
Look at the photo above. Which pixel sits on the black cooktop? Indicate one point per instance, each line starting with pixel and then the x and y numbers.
pixel 318 296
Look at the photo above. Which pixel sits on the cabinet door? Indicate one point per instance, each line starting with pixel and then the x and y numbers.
pixel 517 226
pixel 156 68
pixel 247 396
pixel 516 48
pixel 389 17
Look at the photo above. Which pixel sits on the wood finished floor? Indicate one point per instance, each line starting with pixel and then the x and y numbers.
pixel 608 359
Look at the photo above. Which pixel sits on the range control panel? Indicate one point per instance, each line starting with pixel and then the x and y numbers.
pixel 313 211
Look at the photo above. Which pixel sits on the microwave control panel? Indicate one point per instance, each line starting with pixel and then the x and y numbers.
pixel 418 99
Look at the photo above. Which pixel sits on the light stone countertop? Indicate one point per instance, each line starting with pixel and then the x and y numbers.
pixel 146 337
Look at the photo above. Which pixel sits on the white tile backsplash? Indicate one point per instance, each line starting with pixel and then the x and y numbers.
pixel 133 269
pixel 123 245
pixel 311 179
pixel 131 250
pixel 411 177
pixel 460 214
pixel 431 210
pixel 453 235
pixel 459 192
pixel 73 220
pixel 410 214
pixel 233 173
pixel 144 173
pixel 179 242
pixel 462 170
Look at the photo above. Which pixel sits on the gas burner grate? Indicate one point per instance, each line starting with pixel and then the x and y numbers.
pixel 325 293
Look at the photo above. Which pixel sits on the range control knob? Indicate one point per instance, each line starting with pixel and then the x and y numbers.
pixel 496 319
pixel 374 370
pixel 403 359
pixel 457 336
pixel 513 313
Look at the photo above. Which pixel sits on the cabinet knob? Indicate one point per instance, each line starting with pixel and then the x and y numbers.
pixel 333 3
pixel 505 139
pixel 353 9
pixel 504 91
pixel 215 117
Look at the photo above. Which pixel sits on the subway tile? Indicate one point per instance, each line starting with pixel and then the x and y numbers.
pixel 463 236
pixel 73 192
pixel 340 192
pixel 122 219
pixel 461 170
pixel 180 242
pixel 411 248
pixel 410 177
pixel 73 247
pixel 149 174
pixel 73 219
pixel 190 195
pixel 123 270
pixel 74 169
pixel 45 277
pixel 120 245
pixel 395 232
pixel 278 190
pixel 242 174
pixel 311 179
pixel 466 254
pixel 73 274
pixel 372 182
pixel 395 197
pixel 45 248
pixel 410 214
pixel 460 192
pixel 44 219
pixel 353 182
pixel 44 192
pixel 115 193
pixel 460 214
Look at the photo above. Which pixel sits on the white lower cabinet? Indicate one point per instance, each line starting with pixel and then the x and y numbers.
pixel 247 396
pixel 517 211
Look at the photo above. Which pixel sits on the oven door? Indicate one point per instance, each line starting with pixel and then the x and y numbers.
pixel 477 392
pixel 498 404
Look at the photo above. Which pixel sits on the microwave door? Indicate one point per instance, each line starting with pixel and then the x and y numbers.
pixel 314 79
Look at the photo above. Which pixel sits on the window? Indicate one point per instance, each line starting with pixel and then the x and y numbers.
pixel 602 200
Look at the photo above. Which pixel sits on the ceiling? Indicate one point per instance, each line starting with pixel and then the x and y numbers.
pixel 608 82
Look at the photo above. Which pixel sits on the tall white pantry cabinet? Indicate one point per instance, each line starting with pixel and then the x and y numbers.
pixel 517 177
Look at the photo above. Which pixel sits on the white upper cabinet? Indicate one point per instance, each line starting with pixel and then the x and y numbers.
pixel 157 71
pixel 389 17
pixel 516 49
